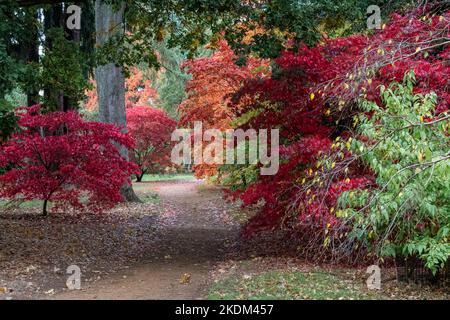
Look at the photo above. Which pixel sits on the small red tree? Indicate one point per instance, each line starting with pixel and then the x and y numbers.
pixel 151 129
pixel 60 158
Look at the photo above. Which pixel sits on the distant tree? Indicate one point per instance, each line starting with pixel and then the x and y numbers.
pixel 151 129
pixel 170 79
pixel 209 91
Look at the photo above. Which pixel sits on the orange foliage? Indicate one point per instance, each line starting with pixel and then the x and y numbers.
pixel 138 91
pixel 214 80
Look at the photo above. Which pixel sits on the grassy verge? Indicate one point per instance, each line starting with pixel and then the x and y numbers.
pixel 316 284
pixel 167 177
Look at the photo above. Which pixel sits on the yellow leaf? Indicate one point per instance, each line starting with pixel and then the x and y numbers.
pixel 326 242
pixel 185 278
pixel 312 96
pixel 420 156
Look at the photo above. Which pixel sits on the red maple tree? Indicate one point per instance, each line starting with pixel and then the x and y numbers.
pixel 151 129
pixel 62 159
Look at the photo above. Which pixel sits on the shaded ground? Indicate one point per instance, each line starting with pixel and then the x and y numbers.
pixel 193 234
pixel 141 251
pixel 182 243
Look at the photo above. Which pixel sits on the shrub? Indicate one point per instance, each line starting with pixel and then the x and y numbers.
pixel 408 212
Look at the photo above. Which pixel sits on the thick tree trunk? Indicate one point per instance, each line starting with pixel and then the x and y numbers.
pixel 110 79
pixel 55 17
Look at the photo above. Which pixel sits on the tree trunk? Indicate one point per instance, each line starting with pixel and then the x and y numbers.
pixel 33 56
pixel 140 176
pixel 44 208
pixel 111 80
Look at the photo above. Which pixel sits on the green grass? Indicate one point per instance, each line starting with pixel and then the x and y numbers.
pixel 24 204
pixel 289 285
pixel 167 177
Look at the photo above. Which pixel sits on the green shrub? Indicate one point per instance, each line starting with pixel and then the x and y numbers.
pixel 407 147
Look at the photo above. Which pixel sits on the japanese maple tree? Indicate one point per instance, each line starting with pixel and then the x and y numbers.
pixel 214 80
pixel 151 129
pixel 62 159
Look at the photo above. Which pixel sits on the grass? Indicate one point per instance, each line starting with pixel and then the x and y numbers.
pixel 24 204
pixel 317 284
pixel 167 177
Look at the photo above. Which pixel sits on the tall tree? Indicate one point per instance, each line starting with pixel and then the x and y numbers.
pixel 110 77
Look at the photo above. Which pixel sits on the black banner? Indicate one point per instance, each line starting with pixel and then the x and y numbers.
pixel 184 310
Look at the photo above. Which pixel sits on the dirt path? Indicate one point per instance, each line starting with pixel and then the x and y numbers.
pixel 193 234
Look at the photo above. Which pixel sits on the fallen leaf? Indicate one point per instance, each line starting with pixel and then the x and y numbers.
pixel 185 278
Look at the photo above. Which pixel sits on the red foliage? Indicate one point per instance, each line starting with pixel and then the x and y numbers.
pixel 61 158
pixel 311 99
pixel 151 129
